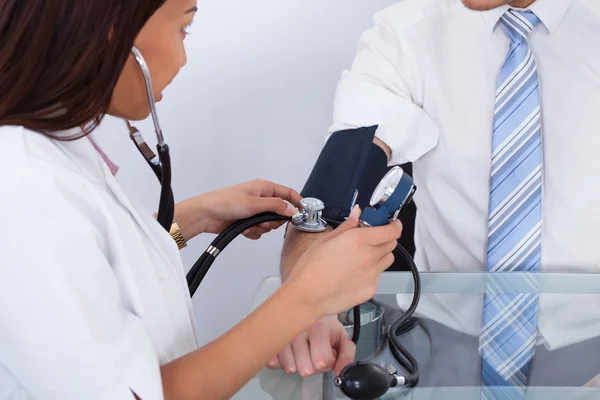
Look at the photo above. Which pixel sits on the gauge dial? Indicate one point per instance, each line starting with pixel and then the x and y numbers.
pixel 387 186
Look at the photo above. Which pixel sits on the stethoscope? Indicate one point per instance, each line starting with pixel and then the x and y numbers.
pixel 161 165
pixel 359 380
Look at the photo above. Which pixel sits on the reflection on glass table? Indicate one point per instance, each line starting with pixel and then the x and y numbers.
pixel 444 338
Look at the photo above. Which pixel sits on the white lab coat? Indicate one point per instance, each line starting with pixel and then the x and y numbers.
pixel 93 297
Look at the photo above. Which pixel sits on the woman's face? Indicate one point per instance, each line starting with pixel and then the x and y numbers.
pixel 161 42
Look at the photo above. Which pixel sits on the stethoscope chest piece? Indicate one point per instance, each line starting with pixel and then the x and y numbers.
pixel 308 219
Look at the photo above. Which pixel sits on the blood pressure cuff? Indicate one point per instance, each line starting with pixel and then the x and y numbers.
pixel 348 163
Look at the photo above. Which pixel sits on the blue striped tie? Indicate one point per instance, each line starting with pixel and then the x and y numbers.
pixel 509 327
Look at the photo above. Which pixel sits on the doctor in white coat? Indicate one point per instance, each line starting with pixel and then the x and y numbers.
pixel 93 298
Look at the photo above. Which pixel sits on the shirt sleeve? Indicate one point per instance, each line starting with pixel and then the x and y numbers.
pixel 380 89
pixel 65 333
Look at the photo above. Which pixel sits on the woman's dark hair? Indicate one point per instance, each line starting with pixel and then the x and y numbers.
pixel 60 59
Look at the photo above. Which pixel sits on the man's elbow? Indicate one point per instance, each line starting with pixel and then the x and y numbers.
pixel 384 147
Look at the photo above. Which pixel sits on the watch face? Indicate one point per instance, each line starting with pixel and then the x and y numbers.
pixel 387 186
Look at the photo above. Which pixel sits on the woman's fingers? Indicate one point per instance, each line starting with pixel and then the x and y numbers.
pixel 252 235
pixel 382 234
pixel 383 250
pixel 255 232
pixel 277 224
pixel 271 189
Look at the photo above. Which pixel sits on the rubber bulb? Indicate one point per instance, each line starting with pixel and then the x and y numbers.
pixel 365 381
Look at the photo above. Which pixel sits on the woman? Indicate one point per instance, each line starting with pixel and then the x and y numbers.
pixel 93 298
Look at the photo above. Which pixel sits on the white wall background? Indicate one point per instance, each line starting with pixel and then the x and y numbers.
pixel 254 101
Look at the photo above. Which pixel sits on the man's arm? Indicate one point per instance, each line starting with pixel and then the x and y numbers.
pixel 383 89
pixel 297 242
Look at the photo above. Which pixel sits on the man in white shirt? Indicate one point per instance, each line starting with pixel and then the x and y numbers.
pixel 474 94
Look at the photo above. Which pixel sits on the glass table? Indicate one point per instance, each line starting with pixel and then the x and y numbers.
pixel 443 337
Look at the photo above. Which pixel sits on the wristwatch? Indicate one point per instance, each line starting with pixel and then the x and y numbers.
pixel 175 232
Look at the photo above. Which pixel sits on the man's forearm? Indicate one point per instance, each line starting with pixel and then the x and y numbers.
pixel 296 243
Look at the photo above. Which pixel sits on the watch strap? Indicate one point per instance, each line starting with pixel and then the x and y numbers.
pixel 177 236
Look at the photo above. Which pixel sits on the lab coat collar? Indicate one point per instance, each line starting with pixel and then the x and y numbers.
pixel 550 12
pixel 83 153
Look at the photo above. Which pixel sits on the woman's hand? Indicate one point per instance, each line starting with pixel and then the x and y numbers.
pixel 342 268
pixel 214 211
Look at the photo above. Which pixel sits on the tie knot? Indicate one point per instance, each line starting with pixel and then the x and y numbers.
pixel 519 24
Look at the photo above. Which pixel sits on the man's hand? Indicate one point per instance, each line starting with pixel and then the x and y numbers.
pixel 595 382
pixel 326 346
pixel 214 211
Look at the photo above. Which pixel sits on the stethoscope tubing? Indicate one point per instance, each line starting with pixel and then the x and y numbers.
pixel 166 208
pixel 199 270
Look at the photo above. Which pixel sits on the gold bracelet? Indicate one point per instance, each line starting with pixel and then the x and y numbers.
pixel 175 232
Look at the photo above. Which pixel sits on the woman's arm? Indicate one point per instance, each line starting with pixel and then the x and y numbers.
pixel 339 271
pixel 213 211
pixel 221 368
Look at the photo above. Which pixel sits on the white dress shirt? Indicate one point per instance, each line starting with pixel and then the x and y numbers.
pixel 93 297
pixel 426 73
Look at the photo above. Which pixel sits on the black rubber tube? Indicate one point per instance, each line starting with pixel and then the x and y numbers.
pixel 356 324
pixel 401 355
pixel 169 210
pixel 166 208
pixel 199 270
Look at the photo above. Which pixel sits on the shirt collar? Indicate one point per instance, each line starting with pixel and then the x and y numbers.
pixel 550 12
